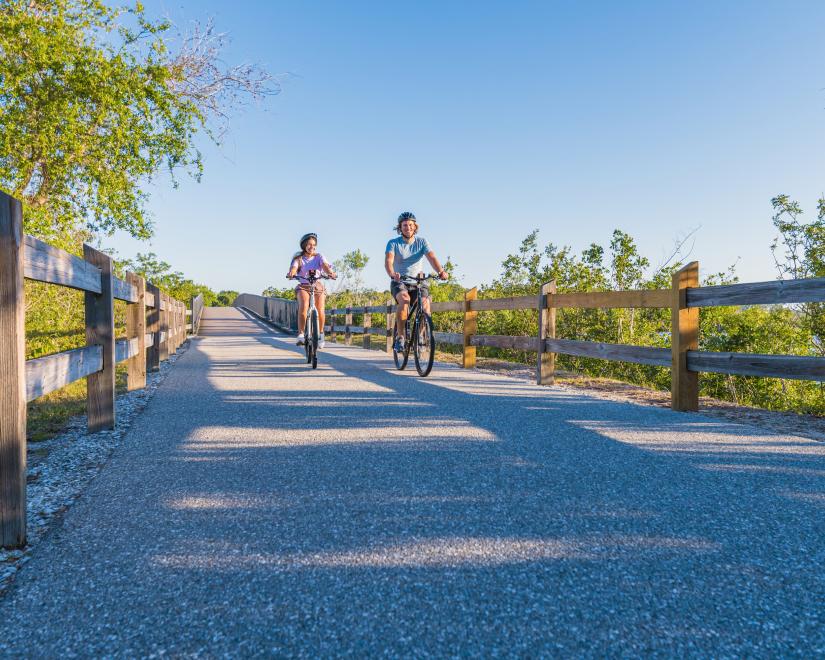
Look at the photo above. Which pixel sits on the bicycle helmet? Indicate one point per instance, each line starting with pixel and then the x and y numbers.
pixel 306 237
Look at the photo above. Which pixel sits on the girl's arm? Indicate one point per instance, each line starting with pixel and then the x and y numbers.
pixel 328 270
pixel 293 268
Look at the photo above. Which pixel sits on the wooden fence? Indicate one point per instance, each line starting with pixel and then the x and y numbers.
pixel 278 311
pixel 155 327
pixel 196 312
pixel 683 357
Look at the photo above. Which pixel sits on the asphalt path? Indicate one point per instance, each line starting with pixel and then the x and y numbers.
pixel 260 508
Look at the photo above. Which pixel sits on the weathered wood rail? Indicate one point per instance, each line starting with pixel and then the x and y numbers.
pixel 683 357
pixel 155 328
pixel 196 313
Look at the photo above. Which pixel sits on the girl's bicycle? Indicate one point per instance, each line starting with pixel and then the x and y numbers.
pixel 311 328
pixel 418 330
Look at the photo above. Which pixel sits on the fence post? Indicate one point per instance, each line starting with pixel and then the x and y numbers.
pixel 390 326
pixel 100 329
pixel 367 327
pixel 331 316
pixel 470 329
pixel 12 375
pixel 348 323
pixel 163 330
pixel 174 322
pixel 173 325
pixel 546 367
pixel 684 392
pixel 136 327
pixel 153 327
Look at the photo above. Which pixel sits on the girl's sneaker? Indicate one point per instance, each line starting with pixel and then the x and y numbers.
pixel 301 339
pixel 321 342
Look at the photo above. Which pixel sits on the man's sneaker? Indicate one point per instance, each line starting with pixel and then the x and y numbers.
pixel 301 339
pixel 398 346
pixel 321 342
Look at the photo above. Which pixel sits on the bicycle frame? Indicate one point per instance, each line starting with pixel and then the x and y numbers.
pixel 310 337
pixel 417 321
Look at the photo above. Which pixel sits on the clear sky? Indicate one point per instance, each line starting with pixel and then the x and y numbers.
pixel 489 119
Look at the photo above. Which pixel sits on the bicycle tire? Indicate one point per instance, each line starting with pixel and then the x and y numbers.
pixel 424 345
pixel 314 336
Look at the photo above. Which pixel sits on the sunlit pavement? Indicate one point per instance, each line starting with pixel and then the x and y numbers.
pixel 261 507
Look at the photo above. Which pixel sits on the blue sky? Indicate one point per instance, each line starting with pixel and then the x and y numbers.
pixel 491 119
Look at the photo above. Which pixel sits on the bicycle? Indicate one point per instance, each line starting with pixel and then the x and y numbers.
pixel 311 330
pixel 422 330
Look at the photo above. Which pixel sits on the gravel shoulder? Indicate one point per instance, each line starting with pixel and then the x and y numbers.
pixel 59 469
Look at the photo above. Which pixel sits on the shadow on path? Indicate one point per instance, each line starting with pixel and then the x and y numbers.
pixel 263 507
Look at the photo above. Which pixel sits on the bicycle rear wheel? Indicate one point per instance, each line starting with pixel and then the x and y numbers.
pixel 424 345
pixel 314 338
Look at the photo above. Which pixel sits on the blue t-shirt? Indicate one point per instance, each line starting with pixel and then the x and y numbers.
pixel 408 258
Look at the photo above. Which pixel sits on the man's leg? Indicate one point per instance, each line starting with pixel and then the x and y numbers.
pixel 403 300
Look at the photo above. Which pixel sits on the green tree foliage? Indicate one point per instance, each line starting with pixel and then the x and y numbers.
pixel 225 298
pixel 799 251
pixel 160 274
pixel 350 271
pixel 274 292
pixel 93 103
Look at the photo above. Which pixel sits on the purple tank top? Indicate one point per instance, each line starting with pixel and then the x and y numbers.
pixel 308 264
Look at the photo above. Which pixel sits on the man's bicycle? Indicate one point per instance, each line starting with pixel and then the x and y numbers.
pixel 311 327
pixel 418 330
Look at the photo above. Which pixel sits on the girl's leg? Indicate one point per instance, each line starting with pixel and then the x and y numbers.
pixel 320 300
pixel 303 303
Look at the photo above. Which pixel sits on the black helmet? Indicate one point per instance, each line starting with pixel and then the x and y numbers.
pixel 306 237
pixel 407 215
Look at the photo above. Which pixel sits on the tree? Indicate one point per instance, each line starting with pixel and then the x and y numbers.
pixel 274 292
pixel 93 103
pixel 226 298
pixel 799 252
pixel 160 274
pixel 350 270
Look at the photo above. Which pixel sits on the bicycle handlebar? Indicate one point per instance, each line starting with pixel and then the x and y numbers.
pixel 416 280
pixel 322 276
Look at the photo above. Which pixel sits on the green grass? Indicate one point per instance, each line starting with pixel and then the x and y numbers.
pixel 47 416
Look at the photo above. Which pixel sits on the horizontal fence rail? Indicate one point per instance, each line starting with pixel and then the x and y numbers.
pixel 683 357
pixel 155 328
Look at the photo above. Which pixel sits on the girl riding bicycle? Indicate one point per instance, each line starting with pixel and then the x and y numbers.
pixel 304 261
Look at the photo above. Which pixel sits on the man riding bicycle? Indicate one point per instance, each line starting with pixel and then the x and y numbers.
pixel 304 261
pixel 405 258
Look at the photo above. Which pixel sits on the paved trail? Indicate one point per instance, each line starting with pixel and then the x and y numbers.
pixel 260 508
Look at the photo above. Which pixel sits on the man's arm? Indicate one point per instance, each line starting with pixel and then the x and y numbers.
pixel 436 265
pixel 389 261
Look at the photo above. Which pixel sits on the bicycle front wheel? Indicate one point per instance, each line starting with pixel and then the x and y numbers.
pixel 401 357
pixel 314 338
pixel 424 345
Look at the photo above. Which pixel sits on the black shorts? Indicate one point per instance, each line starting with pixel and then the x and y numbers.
pixel 398 287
